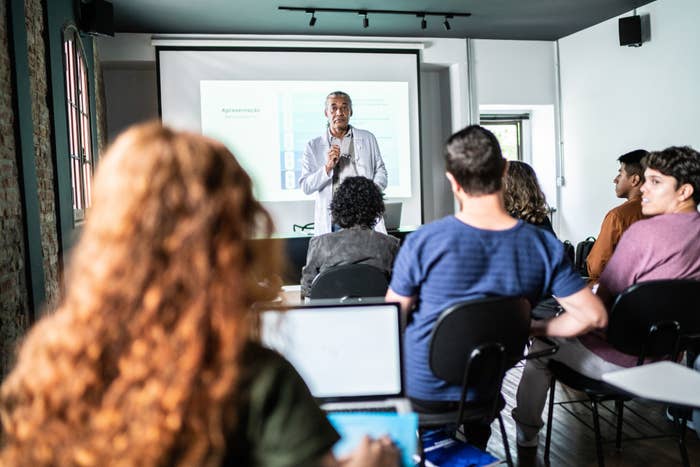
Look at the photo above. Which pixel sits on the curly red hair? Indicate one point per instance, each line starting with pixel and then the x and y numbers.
pixel 139 364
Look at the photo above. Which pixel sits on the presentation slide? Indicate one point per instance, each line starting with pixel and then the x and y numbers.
pixel 266 104
pixel 267 124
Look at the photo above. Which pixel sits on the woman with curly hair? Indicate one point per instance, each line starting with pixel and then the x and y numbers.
pixel 150 357
pixel 523 196
pixel 356 207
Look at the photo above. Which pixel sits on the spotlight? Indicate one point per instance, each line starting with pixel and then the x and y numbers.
pixel 365 21
pixel 446 23
pixel 423 22
pixel 312 20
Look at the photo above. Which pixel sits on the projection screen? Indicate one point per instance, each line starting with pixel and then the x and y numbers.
pixel 266 104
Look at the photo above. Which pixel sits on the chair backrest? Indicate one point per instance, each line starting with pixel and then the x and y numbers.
pixel 646 304
pixel 349 280
pixel 463 327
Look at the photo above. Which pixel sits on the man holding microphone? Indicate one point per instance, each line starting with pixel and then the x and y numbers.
pixel 343 151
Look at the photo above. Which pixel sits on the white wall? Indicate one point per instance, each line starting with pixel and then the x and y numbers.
pixel 515 72
pixel 520 77
pixel 616 99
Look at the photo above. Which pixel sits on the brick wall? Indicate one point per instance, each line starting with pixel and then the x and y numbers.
pixel 14 310
pixel 36 25
pixel 100 110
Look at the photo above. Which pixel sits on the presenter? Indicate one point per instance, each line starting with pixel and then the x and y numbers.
pixel 342 151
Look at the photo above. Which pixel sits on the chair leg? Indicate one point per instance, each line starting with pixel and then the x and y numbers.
pixel 598 437
pixel 684 451
pixel 509 459
pixel 550 412
pixel 681 427
pixel 421 452
pixel 619 407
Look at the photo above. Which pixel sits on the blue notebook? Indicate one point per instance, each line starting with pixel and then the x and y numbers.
pixel 352 426
pixel 441 450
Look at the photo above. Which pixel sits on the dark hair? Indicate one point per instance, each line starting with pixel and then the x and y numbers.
pixel 474 158
pixel 522 194
pixel 633 162
pixel 679 162
pixel 357 201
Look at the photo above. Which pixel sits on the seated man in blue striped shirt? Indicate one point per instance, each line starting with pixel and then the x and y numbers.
pixel 480 252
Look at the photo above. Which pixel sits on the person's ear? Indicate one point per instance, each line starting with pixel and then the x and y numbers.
pixel 685 192
pixel 505 166
pixel 636 180
pixel 453 183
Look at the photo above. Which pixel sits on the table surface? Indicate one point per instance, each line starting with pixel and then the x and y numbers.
pixel 661 381
pixel 291 294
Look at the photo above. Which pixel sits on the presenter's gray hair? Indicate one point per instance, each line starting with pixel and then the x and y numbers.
pixel 342 94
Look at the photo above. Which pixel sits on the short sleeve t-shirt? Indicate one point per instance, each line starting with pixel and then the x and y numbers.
pixel 661 247
pixel 448 262
pixel 280 423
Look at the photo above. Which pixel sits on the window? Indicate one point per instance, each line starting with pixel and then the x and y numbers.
pixel 79 123
pixel 509 132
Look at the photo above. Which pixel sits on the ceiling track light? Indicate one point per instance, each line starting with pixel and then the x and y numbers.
pixel 423 21
pixel 365 20
pixel 312 21
pixel 448 15
pixel 446 23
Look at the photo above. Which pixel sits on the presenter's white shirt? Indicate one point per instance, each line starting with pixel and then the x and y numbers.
pixel 314 179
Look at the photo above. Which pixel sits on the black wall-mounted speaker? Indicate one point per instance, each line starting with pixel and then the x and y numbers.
pixel 630 29
pixel 97 18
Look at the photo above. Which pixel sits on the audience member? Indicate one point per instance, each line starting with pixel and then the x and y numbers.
pixel 479 252
pixel 150 359
pixel 356 207
pixel 523 196
pixel 663 247
pixel 628 182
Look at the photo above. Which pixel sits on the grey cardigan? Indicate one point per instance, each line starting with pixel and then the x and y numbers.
pixel 356 245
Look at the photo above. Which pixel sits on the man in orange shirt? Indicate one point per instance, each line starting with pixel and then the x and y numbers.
pixel 629 180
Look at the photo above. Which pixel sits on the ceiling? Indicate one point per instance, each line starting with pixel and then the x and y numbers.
pixel 491 19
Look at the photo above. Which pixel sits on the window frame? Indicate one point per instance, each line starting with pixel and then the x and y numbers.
pixel 80 149
pixel 507 119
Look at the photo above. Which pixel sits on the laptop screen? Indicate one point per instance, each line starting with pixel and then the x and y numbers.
pixel 342 352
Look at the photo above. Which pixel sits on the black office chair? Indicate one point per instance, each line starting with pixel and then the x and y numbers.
pixel 654 319
pixel 472 345
pixel 349 281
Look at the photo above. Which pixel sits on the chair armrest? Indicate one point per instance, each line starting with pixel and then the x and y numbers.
pixel 554 348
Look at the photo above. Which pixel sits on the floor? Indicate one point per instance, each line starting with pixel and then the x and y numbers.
pixel 573 444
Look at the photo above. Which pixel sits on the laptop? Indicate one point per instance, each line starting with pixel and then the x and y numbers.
pixel 392 215
pixel 349 355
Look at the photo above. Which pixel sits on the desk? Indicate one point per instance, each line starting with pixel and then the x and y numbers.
pixel 667 382
pixel 291 295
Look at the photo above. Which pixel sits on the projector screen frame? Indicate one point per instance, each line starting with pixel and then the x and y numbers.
pixel 416 52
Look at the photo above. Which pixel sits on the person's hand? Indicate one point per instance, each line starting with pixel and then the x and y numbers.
pixel 380 452
pixel 332 158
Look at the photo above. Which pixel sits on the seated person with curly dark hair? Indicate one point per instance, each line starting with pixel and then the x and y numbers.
pixel 356 207
pixel 523 196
